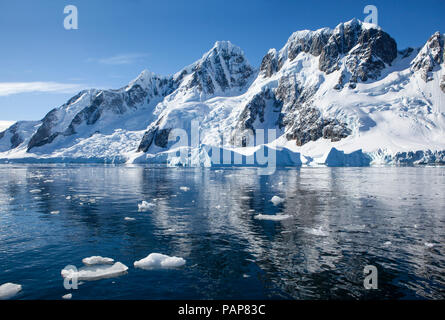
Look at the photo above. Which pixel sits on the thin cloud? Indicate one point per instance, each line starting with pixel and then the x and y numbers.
pixel 10 88
pixel 121 59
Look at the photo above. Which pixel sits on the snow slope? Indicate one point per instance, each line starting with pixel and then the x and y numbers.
pixel 342 97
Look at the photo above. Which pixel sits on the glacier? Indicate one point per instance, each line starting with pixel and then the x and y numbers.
pixel 345 96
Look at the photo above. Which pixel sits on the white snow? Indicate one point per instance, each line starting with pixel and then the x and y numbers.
pixel 9 290
pixel 158 260
pixel 145 206
pixel 278 217
pixel 276 200
pixel 96 272
pixel 97 260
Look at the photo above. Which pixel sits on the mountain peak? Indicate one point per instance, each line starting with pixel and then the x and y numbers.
pixel 221 68
pixel 430 56
pixel 356 23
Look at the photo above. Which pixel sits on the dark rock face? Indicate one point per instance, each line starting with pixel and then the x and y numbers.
pixel 224 67
pixel 16 139
pixel 147 139
pixel 366 50
pixel 430 57
pixel 156 135
pixel 442 84
pixel 313 44
pixel 302 121
pixel 135 96
pixel 254 111
pixel 269 64
pixel 44 134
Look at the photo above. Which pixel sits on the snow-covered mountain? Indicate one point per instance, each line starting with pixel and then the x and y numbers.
pixel 342 96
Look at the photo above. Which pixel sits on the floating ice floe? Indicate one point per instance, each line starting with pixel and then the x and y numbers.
pixel 9 290
pixel 68 198
pixel 158 260
pixel 129 219
pixel 48 181
pixel 55 212
pixel 185 189
pixel 97 260
pixel 317 232
pixel 96 272
pixel 387 243
pixel 278 217
pixel 67 296
pixel 429 244
pixel 35 191
pixel 144 206
pixel 276 200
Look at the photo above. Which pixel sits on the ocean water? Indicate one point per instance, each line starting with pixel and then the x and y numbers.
pixel 339 221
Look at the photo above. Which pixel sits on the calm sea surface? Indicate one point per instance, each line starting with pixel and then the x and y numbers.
pixel 341 219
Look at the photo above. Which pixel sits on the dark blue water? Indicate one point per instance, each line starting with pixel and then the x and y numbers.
pixel 342 220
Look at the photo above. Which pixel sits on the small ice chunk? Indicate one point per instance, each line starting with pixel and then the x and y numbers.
pixel 276 200
pixel 278 217
pixel 158 260
pixel 68 198
pixel 97 260
pixel 8 290
pixel 144 206
pixel 48 181
pixel 96 272
pixel 55 212
pixel 185 189
pixel 387 243
pixel 35 191
pixel 317 232
pixel 129 219
pixel 67 296
pixel 429 244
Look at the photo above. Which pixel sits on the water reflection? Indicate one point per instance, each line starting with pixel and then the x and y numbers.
pixel 342 219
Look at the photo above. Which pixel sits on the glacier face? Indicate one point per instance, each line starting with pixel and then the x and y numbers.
pixel 342 96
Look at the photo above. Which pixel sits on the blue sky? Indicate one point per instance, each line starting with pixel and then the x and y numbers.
pixel 42 64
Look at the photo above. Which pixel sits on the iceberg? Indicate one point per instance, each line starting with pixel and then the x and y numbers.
pixel 277 200
pixel 9 290
pixel 145 206
pixel 158 260
pixel 67 296
pixel 97 260
pixel 96 272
